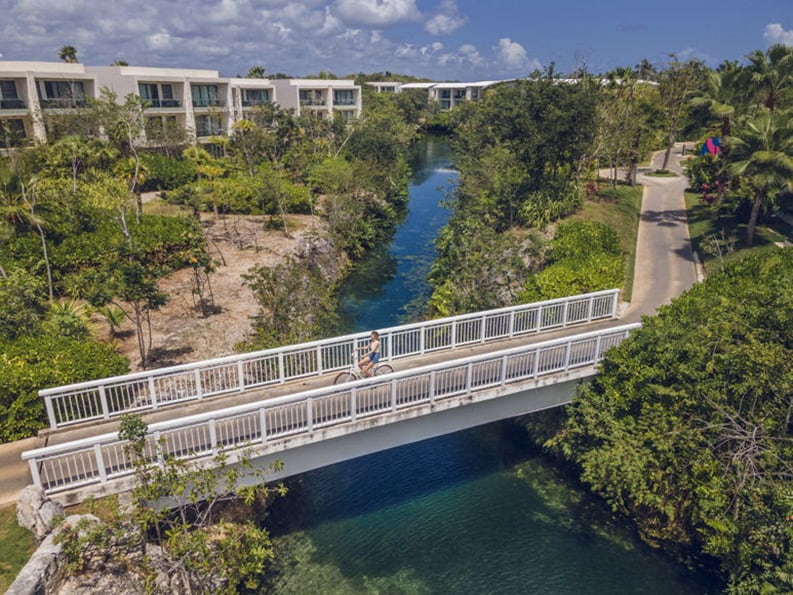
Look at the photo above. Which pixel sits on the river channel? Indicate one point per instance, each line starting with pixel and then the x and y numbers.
pixel 479 511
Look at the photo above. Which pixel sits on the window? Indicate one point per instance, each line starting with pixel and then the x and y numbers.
pixel 255 97
pixel 61 94
pixel 311 97
pixel 8 96
pixel 206 96
pixel 157 94
pixel 208 125
pixel 12 133
pixel 344 97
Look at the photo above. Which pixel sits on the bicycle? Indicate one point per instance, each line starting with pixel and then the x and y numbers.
pixel 355 373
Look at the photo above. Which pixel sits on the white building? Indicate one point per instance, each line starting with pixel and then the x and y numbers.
pixel 201 102
pixel 325 97
pixel 448 95
pixel 29 91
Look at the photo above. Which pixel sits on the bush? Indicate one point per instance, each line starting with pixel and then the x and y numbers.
pixel 167 173
pixel 31 363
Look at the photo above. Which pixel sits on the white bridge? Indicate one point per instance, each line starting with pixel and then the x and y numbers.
pixel 280 404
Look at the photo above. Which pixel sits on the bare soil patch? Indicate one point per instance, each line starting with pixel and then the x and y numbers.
pixel 179 332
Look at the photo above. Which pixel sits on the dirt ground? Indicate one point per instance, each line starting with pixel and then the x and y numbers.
pixel 179 333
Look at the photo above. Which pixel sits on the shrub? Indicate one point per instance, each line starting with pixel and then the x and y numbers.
pixel 167 173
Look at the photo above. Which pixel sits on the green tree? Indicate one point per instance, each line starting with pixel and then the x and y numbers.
pixel 676 84
pixel 772 76
pixel 761 153
pixel 687 428
pixel 68 54
pixel 256 72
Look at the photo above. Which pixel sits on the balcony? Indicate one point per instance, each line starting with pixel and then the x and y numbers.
pixel 12 103
pixel 62 103
pixel 255 102
pixel 313 102
pixel 162 103
pixel 204 131
pixel 344 102
pixel 209 102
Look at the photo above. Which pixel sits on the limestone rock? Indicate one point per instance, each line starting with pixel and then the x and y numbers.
pixel 37 513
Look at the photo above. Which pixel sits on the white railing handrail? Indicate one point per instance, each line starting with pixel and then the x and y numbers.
pixel 37 455
pixel 84 401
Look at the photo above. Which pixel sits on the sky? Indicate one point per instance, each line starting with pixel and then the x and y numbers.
pixel 454 40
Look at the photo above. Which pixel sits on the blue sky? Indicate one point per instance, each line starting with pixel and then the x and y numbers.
pixel 437 39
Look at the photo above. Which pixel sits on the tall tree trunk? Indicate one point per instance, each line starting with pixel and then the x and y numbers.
pixel 758 202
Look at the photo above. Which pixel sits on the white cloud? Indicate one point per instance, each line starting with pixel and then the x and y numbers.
pixel 470 54
pixel 447 21
pixel 775 33
pixel 377 13
pixel 511 53
pixel 159 41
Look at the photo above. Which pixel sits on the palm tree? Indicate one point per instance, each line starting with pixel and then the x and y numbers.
pixel 68 54
pixel 772 73
pixel 255 72
pixel 762 153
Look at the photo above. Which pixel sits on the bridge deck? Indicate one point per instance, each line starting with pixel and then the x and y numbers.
pixel 209 404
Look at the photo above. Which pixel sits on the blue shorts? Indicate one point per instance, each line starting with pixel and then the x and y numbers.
pixel 374 357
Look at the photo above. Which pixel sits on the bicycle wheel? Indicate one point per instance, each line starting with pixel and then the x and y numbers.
pixel 383 369
pixel 343 377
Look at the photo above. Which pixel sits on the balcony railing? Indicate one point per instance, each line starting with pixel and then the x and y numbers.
pixel 255 102
pixel 14 103
pixel 209 102
pixel 62 103
pixel 343 102
pixel 161 103
pixel 313 102
pixel 210 131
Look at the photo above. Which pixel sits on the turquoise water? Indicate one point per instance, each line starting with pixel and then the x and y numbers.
pixel 388 288
pixel 478 511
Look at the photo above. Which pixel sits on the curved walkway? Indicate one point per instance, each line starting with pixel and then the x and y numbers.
pixel 665 268
pixel 665 262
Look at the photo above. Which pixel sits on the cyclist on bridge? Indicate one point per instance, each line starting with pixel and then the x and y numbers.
pixel 368 361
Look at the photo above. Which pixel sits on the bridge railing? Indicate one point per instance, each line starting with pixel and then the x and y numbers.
pixel 104 458
pixel 149 390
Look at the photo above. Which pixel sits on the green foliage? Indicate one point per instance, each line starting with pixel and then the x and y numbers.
pixel 585 256
pixel 166 173
pixel 33 362
pixel 181 507
pixel 23 298
pixel 687 428
pixel 296 304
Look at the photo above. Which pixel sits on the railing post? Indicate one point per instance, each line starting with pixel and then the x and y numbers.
pixel 319 360
pixel 240 375
pixel 511 323
pixel 198 387
pixel 596 359
pixel 281 371
pixel 422 342
pixel 564 312
pixel 432 387
pixel 536 371
pixel 100 463
pixel 34 472
pixel 310 415
pixel 568 349
pixel 503 370
pixel 103 400
pixel 539 318
pixel 454 334
pixel 213 436
pixel 152 393
pixel 50 412
pixel 590 308
pixel 393 395
pixel 263 423
pixel 614 299
pixel 353 405
pixel 469 375
pixel 483 330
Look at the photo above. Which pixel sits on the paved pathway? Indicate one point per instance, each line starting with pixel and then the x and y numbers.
pixel 664 269
pixel 665 265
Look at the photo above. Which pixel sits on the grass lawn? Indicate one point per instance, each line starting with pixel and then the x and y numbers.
pixel 619 208
pixel 704 227
pixel 16 546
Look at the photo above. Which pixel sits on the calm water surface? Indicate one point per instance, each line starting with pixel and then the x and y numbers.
pixel 478 511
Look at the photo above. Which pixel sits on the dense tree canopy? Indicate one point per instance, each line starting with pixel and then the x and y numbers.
pixel 688 429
